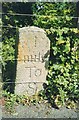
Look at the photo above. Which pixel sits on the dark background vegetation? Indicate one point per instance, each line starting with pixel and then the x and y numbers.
pixel 57 19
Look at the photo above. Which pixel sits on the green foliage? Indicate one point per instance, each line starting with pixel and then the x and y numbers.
pixel 57 20
pixel 11 100
pixel 11 21
pixel 54 14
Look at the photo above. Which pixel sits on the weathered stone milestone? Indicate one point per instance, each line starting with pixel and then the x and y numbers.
pixel 32 60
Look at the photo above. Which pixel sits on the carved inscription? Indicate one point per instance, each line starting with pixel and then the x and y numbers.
pixel 34 71
pixel 35 58
pixel 33 50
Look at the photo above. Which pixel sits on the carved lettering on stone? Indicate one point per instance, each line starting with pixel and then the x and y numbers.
pixel 33 52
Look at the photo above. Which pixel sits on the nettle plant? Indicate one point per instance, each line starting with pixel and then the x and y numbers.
pixel 62 80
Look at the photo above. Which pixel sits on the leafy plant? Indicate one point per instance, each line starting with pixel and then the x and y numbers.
pixel 60 26
pixel 57 20
pixel 12 100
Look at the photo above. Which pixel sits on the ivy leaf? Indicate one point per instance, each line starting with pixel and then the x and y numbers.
pixel 55 66
pixel 67 47
pixel 60 41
